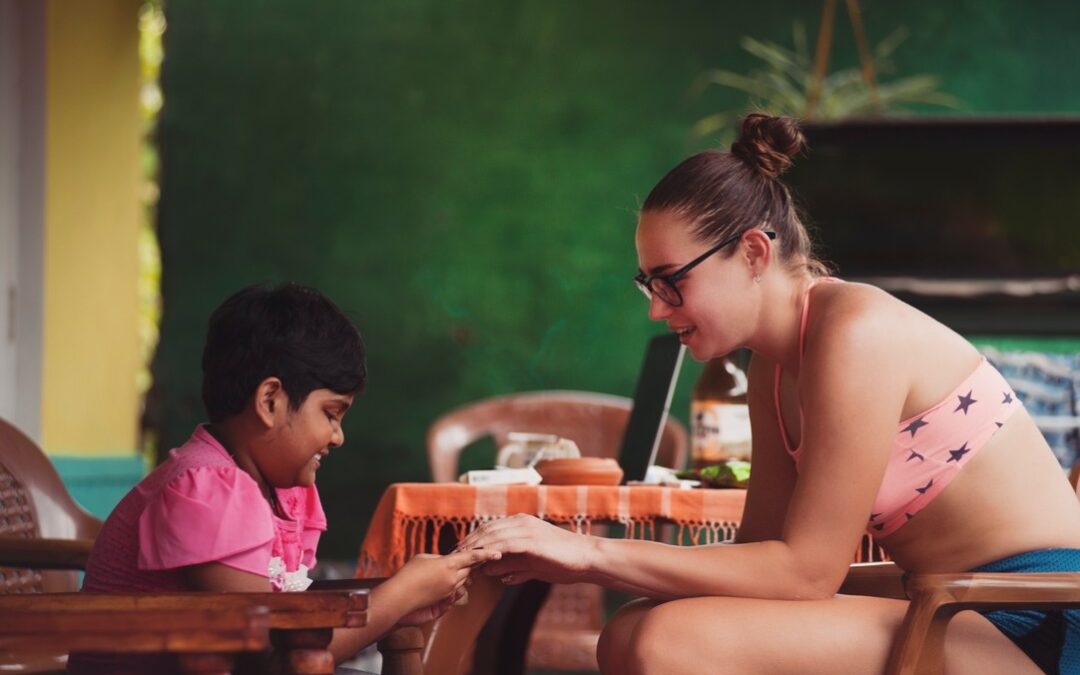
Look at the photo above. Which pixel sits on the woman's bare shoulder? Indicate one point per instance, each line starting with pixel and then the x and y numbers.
pixel 854 296
pixel 890 338
pixel 865 311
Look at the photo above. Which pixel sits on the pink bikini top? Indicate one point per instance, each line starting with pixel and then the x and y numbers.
pixel 930 448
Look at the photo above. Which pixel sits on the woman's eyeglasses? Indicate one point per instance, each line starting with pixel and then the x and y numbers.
pixel 664 285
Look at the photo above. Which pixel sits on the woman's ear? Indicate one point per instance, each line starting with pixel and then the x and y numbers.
pixel 757 251
pixel 270 401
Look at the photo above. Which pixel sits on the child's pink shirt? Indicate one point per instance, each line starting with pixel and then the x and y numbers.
pixel 200 507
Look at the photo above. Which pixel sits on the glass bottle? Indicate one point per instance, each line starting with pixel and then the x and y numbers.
pixel 720 419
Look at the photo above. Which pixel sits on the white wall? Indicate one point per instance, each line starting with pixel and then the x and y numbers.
pixel 22 176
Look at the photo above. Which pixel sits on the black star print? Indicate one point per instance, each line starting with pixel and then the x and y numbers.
pixel 914 455
pixel 955 455
pixel 879 527
pixel 1007 398
pixel 924 488
pixel 965 402
pixel 909 515
pixel 914 426
pixel 999 424
pixel 874 516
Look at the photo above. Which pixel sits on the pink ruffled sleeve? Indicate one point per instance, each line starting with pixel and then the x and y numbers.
pixel 207 514
pixel 304 506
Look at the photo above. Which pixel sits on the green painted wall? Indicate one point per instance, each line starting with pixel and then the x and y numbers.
pixel 463 178
pixel 99 483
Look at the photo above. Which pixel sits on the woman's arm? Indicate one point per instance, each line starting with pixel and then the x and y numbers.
pixel 772 477
pixel 853 389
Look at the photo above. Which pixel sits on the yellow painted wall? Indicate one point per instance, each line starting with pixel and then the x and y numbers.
pixel 90 358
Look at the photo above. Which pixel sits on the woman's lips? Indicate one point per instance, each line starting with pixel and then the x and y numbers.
pixel 684 333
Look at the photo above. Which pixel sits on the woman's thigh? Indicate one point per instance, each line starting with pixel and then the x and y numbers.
pixel 845 634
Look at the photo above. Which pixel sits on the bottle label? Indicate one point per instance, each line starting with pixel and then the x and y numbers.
pixel 719 431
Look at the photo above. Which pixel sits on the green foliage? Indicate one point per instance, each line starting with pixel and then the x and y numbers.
pixel 151 29
pixel 783 84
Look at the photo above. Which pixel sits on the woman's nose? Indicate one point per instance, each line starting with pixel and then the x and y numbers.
pixel 658 309
pixel 338 437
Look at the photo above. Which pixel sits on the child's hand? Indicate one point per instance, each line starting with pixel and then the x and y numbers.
pixel 432 612
pixel 430 579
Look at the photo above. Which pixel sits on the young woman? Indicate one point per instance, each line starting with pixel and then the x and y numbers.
pixel 867 416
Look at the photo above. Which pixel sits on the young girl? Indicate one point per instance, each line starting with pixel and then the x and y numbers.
pixel 867 415
pixel 235 508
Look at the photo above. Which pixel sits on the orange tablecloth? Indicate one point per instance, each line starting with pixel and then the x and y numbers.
pixel 411 515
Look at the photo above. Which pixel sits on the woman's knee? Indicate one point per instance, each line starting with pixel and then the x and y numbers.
pixel 654 634
pixel 615 638
pixel 673 637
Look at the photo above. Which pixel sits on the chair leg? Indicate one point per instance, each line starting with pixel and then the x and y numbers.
pixel 304 652
pixel 919 647
pixel 402 652
pixel 205 664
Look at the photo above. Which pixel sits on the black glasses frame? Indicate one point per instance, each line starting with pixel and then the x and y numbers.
pixel 645 283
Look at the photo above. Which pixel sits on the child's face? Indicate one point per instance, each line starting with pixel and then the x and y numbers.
pixel 297 447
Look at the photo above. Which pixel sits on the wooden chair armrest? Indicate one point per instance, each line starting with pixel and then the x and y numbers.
pixel 302 623
pixel 936 598
pixel 879 579
pixel 52 554
pixel 320 609
pixel 204 640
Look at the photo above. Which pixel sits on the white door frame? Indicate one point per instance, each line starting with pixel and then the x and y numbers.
pixel 22 211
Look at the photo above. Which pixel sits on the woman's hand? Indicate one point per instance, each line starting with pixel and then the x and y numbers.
pixel 532 549
pixel 429 580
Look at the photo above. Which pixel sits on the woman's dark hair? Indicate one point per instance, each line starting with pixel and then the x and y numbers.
pixel 724 193
pixel 290 332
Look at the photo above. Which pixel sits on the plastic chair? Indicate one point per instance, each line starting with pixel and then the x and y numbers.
pixel 919 648
pixel 594 421
pixel 39 521
pixel 568 627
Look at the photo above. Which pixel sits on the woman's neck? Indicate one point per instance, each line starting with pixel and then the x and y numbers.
pixel 780 319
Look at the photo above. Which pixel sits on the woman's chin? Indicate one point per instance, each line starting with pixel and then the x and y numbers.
pixel 699 353
pixel 702 352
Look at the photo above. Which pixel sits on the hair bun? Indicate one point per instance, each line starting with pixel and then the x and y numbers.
pixel 768 143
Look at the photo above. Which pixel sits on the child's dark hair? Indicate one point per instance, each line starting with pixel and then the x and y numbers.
pixel 291 332
pixel 724 193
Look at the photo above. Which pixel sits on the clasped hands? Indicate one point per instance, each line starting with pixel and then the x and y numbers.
pixel 530 548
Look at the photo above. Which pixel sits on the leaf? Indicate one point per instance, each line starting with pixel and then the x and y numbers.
pixel 726 78
pixel 784 78
pixel 798 38
pixel 711 124
pixel 777 57
pixel 886 47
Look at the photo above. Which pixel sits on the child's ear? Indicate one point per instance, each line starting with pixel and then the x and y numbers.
pixel 270 401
